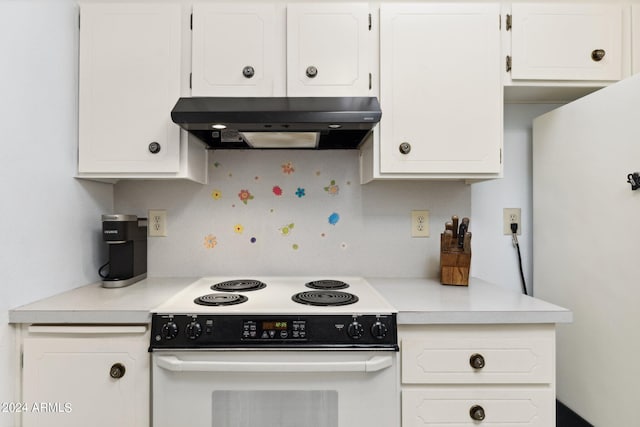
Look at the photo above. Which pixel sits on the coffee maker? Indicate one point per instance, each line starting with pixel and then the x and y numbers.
pixel 126 237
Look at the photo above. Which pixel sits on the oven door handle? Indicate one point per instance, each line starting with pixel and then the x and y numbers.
pixel 172 363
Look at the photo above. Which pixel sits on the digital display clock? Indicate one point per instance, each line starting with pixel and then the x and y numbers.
pixel 274 325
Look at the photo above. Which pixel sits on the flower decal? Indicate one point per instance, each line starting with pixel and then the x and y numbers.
pixel 285 230
pixel 300 192
pixel 277 190
pixel 245 196
pixel 288 168
pixel 332 188
pixel 334 218
pixel 216 194
pixel 210 241
pixel 238 228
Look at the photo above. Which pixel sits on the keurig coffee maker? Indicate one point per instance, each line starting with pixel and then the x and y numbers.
pixel 126 236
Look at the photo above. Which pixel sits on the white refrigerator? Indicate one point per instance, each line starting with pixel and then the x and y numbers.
pixel 586 248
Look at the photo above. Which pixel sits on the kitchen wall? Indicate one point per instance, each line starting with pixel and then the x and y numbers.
pixel 50 221
pixel 292 212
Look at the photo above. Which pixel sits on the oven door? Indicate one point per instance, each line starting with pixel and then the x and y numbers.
pixel 275 389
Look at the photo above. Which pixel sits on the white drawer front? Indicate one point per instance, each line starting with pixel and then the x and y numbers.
pixel 451 407
pixel 509 359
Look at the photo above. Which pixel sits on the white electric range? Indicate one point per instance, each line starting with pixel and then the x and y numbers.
pixel 275 351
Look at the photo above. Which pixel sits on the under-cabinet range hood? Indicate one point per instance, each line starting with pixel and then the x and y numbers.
pixel 291 123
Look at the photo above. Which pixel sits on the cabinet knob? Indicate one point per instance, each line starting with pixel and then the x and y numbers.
pixel 597 55
pixel 477 413
pixel 248 71
pixel 154 147
pixel 405 148
pixel 117 371
pixel 476 361
pixel 311 71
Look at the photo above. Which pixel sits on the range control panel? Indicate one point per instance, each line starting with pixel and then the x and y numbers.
pixel 184 331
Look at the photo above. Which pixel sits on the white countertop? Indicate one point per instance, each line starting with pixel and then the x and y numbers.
pixel 426 301
pixel 418 301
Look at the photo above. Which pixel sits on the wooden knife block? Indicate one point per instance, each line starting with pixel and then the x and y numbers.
pixel 454 264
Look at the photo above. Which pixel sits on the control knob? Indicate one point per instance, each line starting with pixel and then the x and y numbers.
pixel 379 330
pixel 355 330
pixel 169 330
pixel 193 330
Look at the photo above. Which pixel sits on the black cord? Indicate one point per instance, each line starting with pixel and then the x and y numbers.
pixel 514 231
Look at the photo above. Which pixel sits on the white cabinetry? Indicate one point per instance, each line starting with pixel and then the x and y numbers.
pixel 306 49
pixel 464 374
pixel 566 41
pixel 86 376
pixel 130 68
pixel 440 93
pixel 635 42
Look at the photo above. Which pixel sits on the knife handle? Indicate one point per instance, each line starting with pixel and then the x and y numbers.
pixel 448 226
pixel 463 230
pixel 467 243
pixel 454 220
pixel 448 237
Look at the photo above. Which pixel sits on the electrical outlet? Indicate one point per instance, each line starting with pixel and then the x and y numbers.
pixel 511 215
pixel 419 223
pixel 157 223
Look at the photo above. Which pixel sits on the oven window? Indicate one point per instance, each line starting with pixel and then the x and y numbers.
pixel 269 408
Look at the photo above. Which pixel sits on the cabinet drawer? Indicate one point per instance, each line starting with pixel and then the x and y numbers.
pixel 499 357
pixel 442 406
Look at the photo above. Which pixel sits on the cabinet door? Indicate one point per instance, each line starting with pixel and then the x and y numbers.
pixel 238 50
pixel 129 82
pixel 635 42
pixel 328 49
pixel 67 375
pixel 440 88
pixel 566 41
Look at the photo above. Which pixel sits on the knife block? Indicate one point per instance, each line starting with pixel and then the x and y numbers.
pixel 454 264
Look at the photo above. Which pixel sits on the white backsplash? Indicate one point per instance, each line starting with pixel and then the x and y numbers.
pixel 302 212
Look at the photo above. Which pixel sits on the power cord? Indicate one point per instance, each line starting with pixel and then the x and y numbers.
pixel 514 239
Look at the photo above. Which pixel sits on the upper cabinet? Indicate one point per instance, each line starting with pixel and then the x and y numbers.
pixel 440 93
pixel 238 50
pixel 306 49
pixel 635 42
pixel 130 65
pixel 328 49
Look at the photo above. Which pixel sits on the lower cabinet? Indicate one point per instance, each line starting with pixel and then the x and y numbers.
pixel 467 375
pixel 78 376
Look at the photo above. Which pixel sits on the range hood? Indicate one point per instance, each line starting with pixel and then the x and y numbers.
pixel 264 123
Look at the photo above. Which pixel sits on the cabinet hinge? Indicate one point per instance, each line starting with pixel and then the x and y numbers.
pixel 499 22
pixel 370 78
pixel 21 360
pixel 369 22
pixel 191 22
pixel 508 63
pixel 79 19
pixel 508 22
pixel 190 80
pixel 501 156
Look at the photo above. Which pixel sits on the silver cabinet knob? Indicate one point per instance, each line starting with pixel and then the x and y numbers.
pixel 405 148
pixel 598 54
pixel 476 412
pixel 248 71
pixel 311 71
pixel 155 147
pixel 117 371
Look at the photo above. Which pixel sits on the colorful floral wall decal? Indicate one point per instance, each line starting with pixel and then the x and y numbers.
pixel 295 246
pixel 332 188
pixel 216 194
pixel 216 164
pixel 210 241
pixel 277 190
pixel 300 192
pixel 245 196
pixel 253 240
pixel 343 245
pixel 334 218
pixel 238 228
pixel 287 168
pixel 285 230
